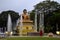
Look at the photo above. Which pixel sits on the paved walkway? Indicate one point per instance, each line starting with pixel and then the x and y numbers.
pixel 36 36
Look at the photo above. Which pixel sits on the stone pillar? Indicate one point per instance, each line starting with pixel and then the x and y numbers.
pixel 36 20
pixel 41 19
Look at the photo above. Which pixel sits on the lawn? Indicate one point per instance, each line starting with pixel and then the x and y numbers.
pixel 30 38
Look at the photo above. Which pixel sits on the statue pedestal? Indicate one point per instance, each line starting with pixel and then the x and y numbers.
pixel 27 27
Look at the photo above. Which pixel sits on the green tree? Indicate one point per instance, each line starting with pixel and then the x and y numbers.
pixel 32 15
pixel 4 16
pixel 49 8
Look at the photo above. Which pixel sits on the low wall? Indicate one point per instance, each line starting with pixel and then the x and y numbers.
pixel 33 34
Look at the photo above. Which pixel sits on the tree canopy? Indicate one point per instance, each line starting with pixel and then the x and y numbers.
pixel 51 14
pixel 4 16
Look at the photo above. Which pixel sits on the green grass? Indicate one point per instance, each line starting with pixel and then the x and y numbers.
pixel 31 38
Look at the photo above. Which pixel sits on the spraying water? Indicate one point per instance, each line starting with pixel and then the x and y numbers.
pixel 9 24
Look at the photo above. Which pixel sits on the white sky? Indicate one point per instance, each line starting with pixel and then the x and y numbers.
pixel 18 5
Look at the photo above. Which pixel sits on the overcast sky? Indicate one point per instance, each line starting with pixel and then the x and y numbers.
pixel 18 5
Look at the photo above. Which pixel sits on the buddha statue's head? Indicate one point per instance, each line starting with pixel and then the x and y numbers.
pixel 24 11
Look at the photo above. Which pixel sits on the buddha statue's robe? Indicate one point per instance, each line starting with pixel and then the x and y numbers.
pixel 25 17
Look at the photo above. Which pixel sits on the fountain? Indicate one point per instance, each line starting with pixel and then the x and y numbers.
pixel 9 25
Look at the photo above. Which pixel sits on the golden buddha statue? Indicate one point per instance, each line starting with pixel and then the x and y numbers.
pixel 27 24
pixel 25 15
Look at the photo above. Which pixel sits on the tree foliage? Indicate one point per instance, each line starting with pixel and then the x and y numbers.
pixel 32 15
pixel 51 14
pixel 4 16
